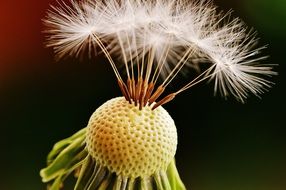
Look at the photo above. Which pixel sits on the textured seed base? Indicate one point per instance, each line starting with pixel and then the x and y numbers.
pixel 131 142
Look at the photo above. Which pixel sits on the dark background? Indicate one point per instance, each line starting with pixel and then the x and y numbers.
pixel 223 145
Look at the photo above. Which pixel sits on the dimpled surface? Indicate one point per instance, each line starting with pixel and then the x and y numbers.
pixel 129 141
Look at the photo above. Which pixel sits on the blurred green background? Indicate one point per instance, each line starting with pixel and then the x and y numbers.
pixel 223 145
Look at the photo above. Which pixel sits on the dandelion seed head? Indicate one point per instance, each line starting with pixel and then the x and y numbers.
pixel 134 137
pixel 163 38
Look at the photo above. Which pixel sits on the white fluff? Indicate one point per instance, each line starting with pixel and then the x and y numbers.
pixel 169 34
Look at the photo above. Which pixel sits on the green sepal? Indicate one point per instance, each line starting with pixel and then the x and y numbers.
pixel 85 173
pixel 174 178
pixel 105 183
pixel 146 184
pixel 61 145
pixel 56 184
pixel 165 181
pixel 158 181
pixel 66 160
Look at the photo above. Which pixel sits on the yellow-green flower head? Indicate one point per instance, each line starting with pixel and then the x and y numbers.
pixel 129 141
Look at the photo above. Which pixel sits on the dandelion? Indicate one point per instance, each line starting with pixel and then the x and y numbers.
pixel 130 141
